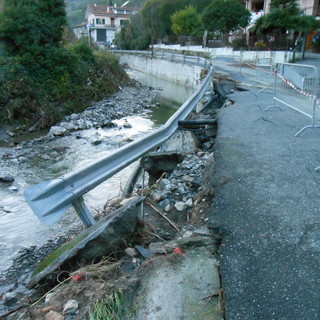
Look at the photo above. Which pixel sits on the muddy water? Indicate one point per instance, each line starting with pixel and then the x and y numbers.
pixel 19 228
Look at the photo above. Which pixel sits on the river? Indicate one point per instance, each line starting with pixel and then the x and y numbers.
pixel 19 228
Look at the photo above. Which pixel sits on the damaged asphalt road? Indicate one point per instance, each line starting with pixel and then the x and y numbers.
pixel 267 209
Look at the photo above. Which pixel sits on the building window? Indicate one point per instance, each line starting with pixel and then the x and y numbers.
pixel 122 22
pixel 100 21
pixel 112 22
pixel 121 11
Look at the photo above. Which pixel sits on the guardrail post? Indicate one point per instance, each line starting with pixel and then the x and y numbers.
pixel 184 58
pixel 198 60
pixel 162 55
pixel 83 212
pixel 172 57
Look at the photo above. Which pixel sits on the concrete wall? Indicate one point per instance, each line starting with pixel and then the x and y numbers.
pixel 247 56
pixel 188 75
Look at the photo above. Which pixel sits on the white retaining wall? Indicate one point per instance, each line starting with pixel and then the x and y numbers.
pixel 247 56
pixel 188 75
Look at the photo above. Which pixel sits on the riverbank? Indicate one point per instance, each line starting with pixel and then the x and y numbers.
pixel 127 101
pixel 183 196
pixel 188 201
pixel 16 160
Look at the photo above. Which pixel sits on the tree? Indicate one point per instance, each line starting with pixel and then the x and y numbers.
pixel 284 17
pixel 225 16
pixel 156 16
pixel 133 34
pixel 32 27
pixel 199 5
pixel 186 22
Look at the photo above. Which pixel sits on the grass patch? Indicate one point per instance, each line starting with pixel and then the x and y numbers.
pixel 114 307
pixel 60 251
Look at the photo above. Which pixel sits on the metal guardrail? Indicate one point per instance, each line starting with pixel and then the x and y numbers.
pixel 50 199
pixel 264 70
pixel 296 86
pixel 181 58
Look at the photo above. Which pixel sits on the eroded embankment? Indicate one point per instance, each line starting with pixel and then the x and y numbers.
pixel 180 198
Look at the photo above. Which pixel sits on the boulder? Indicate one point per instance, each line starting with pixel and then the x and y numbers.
pixel 74 116
pixel 57 131
pixel 69 126
pixel 180 206
pixel 182 141
pixel 6 178
pixel 189 203
pixel 131 252
pixel 52 315
pixel 155 163
pixel 70 307
pixel 96 141
pixel 127 124
pixel 109 124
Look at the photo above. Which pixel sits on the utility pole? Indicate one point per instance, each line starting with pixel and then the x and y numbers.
pixel 152 26
pixel 89 35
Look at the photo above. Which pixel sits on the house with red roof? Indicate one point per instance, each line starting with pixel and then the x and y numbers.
pixel 103 22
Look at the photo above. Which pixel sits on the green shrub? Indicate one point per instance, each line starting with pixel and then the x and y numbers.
pixel 49 89
pixel 114 307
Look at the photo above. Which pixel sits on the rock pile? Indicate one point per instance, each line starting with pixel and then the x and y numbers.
pixel 125 103
pixel 180 188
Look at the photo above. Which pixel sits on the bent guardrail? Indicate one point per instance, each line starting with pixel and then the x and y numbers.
pixel 49 200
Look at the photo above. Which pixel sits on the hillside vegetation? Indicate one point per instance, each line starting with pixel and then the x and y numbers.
pixel 42 77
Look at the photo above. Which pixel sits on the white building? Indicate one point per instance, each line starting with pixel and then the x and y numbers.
pixel 81 30
pixel 308 7
pixel 104 21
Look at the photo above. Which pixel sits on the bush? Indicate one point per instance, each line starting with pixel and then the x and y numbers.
pixel 239 43
pixel 260 45
pixel 68 82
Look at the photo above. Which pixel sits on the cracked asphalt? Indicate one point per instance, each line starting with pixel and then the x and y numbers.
pixel 267 206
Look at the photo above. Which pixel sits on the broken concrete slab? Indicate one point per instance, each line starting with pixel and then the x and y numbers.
pixel 93 243
pixel 178 289
pixel 158 162
pixel 184 243
pixel 182 141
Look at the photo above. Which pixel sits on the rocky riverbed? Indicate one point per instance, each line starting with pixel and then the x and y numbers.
pixel 182 196
pixel 20 153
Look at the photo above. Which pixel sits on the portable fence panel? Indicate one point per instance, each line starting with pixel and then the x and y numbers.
pixel 297 87
pixel 264 70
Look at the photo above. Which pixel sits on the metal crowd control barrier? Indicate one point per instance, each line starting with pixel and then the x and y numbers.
pixel 264 70
pixel 296 86
pixel 50 199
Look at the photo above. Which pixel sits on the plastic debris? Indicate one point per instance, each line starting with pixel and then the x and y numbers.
pixel 177 251
pixel 76 277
